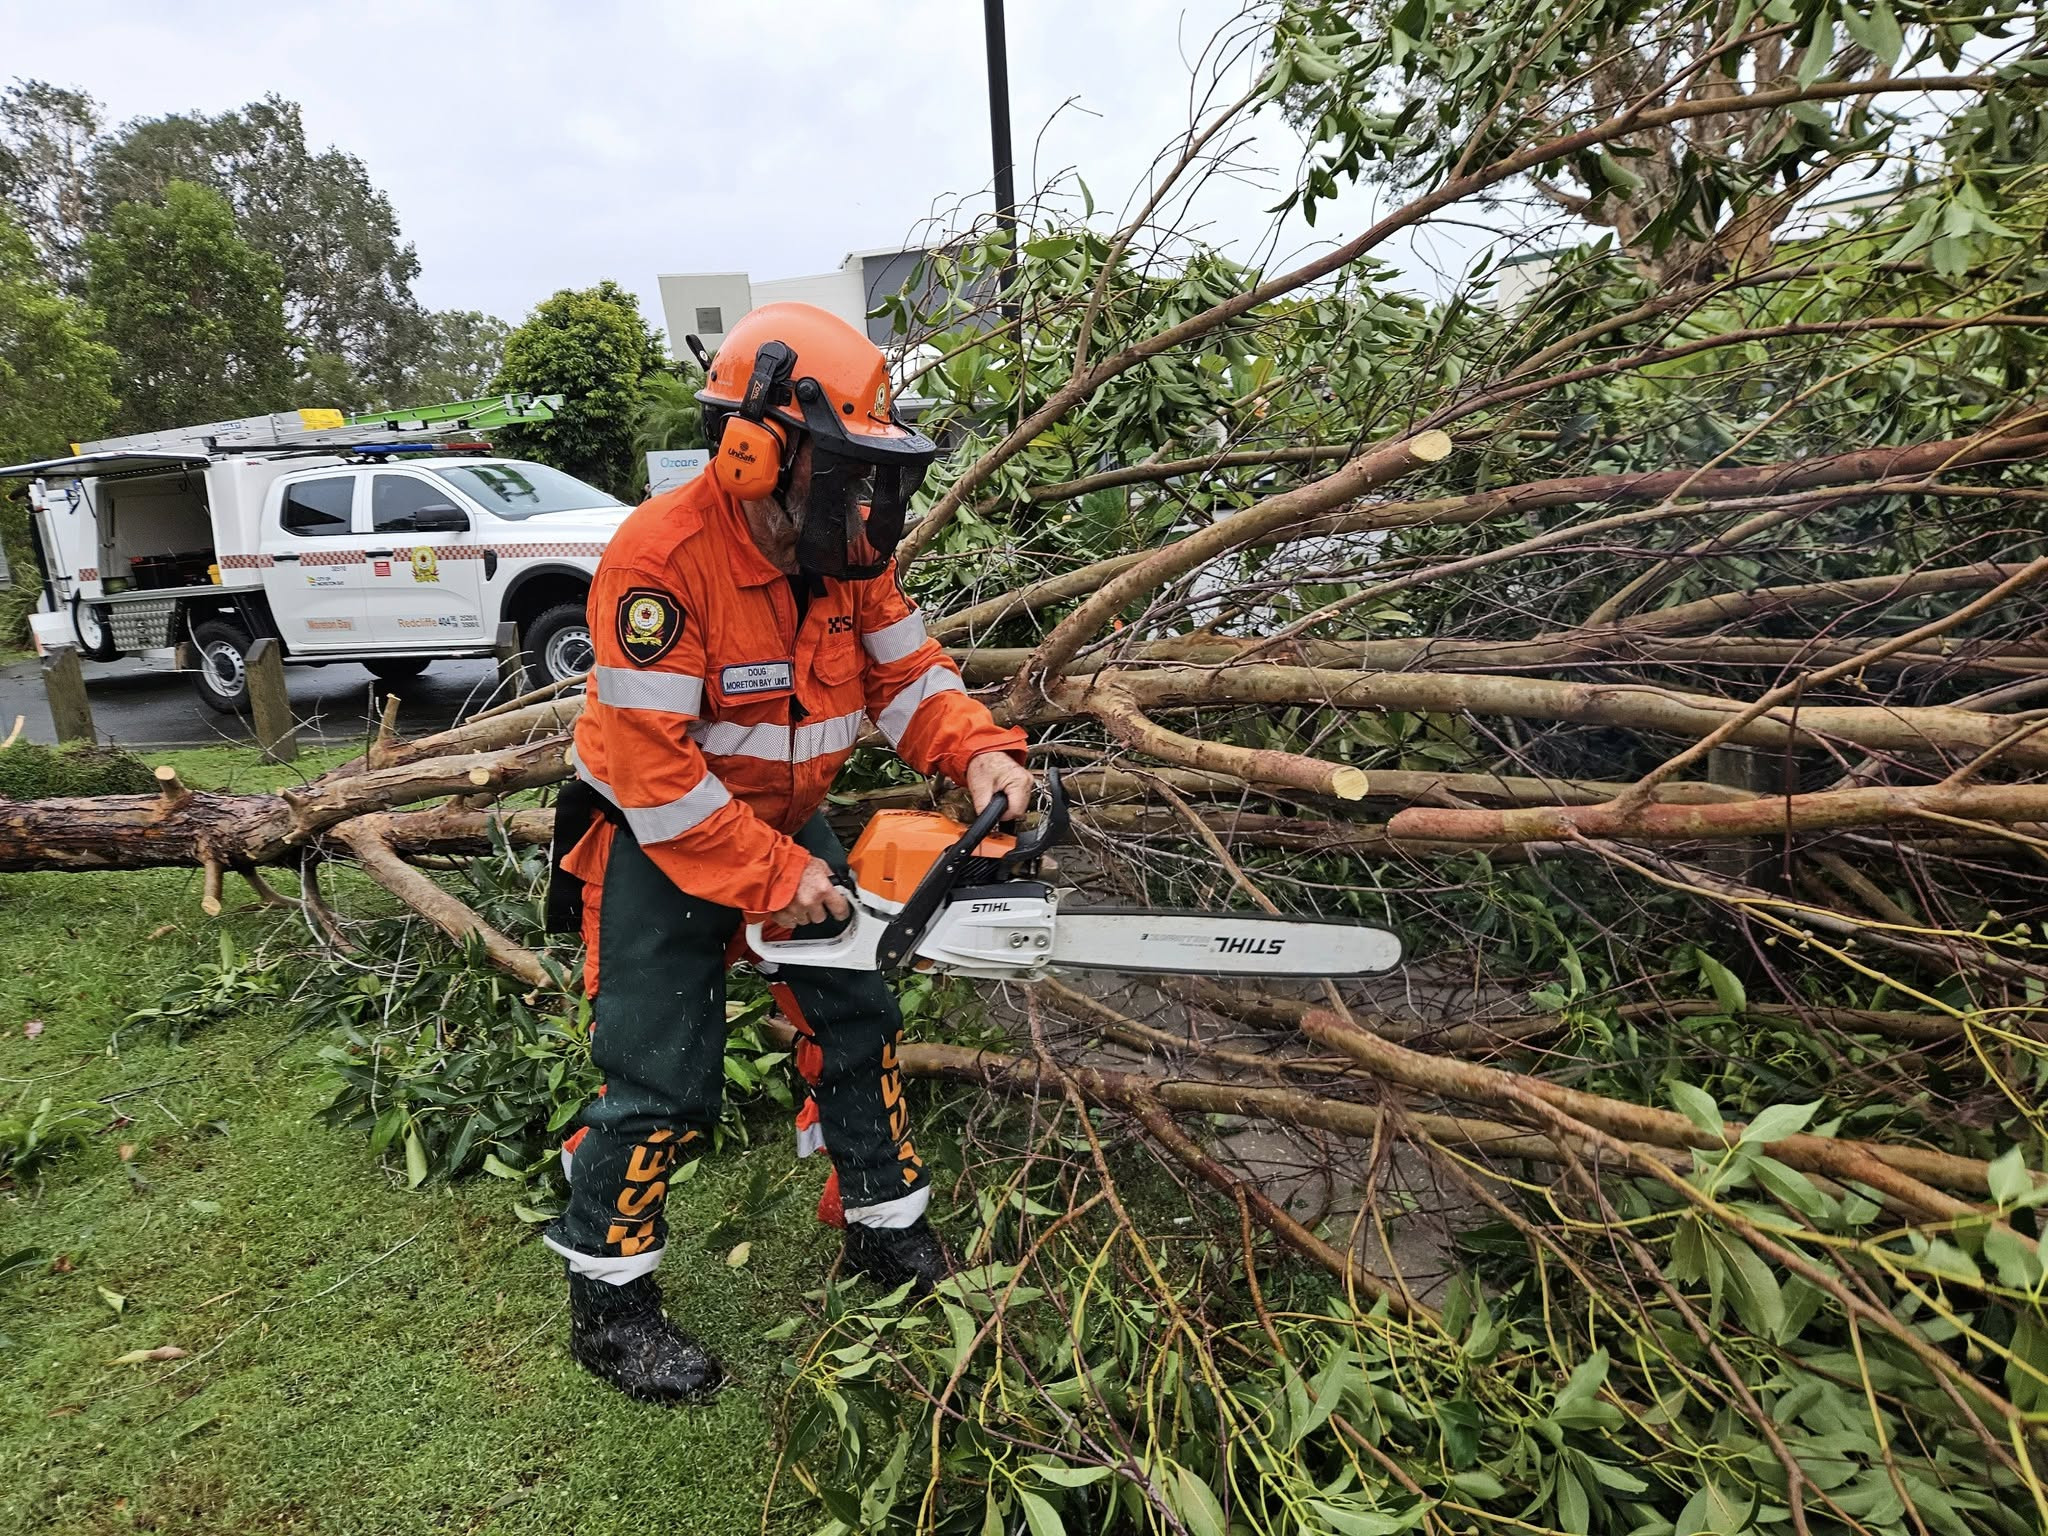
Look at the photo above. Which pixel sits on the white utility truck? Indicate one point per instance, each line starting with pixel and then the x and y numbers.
pixel 392 544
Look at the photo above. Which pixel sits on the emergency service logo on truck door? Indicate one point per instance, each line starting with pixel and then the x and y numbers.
pixel 650 623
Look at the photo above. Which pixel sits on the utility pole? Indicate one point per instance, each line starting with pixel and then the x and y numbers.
pixel 999 129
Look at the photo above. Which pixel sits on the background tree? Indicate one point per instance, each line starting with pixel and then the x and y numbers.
pixel 346 272
pixel 46 138
pixel 459 357
pixel 668 415
pixel 591 346
pixel 55 389
pixel 55 374
pixel 195 315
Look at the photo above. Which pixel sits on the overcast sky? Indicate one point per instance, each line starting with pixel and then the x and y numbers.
pixel 530 147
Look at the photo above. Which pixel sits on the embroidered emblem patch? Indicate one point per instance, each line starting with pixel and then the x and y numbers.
pixel 650 623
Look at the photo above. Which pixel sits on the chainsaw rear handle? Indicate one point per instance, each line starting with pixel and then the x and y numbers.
pixel 851 948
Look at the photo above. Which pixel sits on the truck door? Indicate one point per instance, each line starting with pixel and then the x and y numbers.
pixel 314 572
pixel 425 581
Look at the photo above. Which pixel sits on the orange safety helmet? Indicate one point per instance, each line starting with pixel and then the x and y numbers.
pixel 791 368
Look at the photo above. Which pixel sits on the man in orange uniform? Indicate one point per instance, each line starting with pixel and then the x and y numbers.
pixel 747 627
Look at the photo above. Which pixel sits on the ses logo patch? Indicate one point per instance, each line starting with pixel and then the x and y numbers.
pixel 649 625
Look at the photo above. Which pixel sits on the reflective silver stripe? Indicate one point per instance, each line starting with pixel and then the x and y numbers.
pixel 821 738
pixel 725 738
pixel 676 693
pixel 903 1211
pixel 659 823
pixel 772 743
pixel 896 716
pixel 598 1266
pixel 895 641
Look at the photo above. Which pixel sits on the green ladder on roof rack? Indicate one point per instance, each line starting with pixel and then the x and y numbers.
pixel 480 415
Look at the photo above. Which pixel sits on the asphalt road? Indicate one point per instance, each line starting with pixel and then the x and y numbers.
pixel 143 703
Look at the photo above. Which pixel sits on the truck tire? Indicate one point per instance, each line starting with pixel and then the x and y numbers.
pixel 223 675
pixel 557 645
pixel 400 671
pixel 95 632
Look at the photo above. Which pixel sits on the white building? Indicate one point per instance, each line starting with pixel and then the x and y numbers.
pixel 708 304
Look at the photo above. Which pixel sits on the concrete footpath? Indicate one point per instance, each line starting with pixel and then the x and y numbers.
pixel 137 702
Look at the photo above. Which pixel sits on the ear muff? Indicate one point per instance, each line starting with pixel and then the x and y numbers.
pixel 751 448
pixel 749 462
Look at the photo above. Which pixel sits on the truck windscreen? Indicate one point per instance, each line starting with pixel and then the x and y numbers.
pixel 525 490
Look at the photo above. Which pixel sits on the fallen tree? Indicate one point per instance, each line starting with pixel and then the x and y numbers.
pixel 1659 651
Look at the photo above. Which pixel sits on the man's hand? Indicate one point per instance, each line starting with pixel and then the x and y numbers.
pixel 998 771
pixel 816 897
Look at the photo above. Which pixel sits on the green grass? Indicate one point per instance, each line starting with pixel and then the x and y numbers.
pixel 364 1358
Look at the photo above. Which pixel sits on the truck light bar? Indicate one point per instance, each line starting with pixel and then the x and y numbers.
pixel 381 450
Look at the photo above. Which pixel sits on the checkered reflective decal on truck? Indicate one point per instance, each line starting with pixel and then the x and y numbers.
pixel 563 551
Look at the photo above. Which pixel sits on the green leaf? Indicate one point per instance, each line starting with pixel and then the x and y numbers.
pixel 1701 1110
pixel 2026 1373
pixel 1790 1186
pixel 1943 1257
pixel 1194 1503
pixel 1728 989
pixel 1715 1511
pixel 2018 1265
pixel 2009 1179
pixel 1478 1485
pixel 1330 1384
pixel 498 1168
pixel 1574 1509
pixel 1777 1122
pixel 1820 50
pixel 1757 1297
pixel 1586 1379
pixel 415 1159
pixel 1610 1476
pixel 1618 176
pixel 1042 1518
pixel 1363 1522
pixel 1069 1477
pixel 1885 39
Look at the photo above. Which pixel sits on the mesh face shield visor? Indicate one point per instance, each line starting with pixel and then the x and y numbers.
pixel 861 485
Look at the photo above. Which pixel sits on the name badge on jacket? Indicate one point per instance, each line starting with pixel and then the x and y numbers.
pixel 752 677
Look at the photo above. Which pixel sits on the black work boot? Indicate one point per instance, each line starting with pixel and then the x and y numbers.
pixel 618 1332
pixel 891 1255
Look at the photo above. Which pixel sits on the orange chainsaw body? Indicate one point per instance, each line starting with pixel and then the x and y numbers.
pixel 897 848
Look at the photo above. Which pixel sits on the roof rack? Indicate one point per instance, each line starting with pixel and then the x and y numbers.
pixel 329 431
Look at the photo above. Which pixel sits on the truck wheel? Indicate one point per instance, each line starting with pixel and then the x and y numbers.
pixel 223 675
pixel 397 671
pixel 95 634
pixel 557 645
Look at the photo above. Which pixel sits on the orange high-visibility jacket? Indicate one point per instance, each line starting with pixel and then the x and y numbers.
pixel 716 725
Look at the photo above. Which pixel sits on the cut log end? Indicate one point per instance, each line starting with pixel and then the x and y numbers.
pixel 168 786
pixel 1431 447
pixel 479 776
pixel 1349 783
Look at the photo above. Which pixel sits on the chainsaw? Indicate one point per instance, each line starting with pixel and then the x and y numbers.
pixel 928 892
